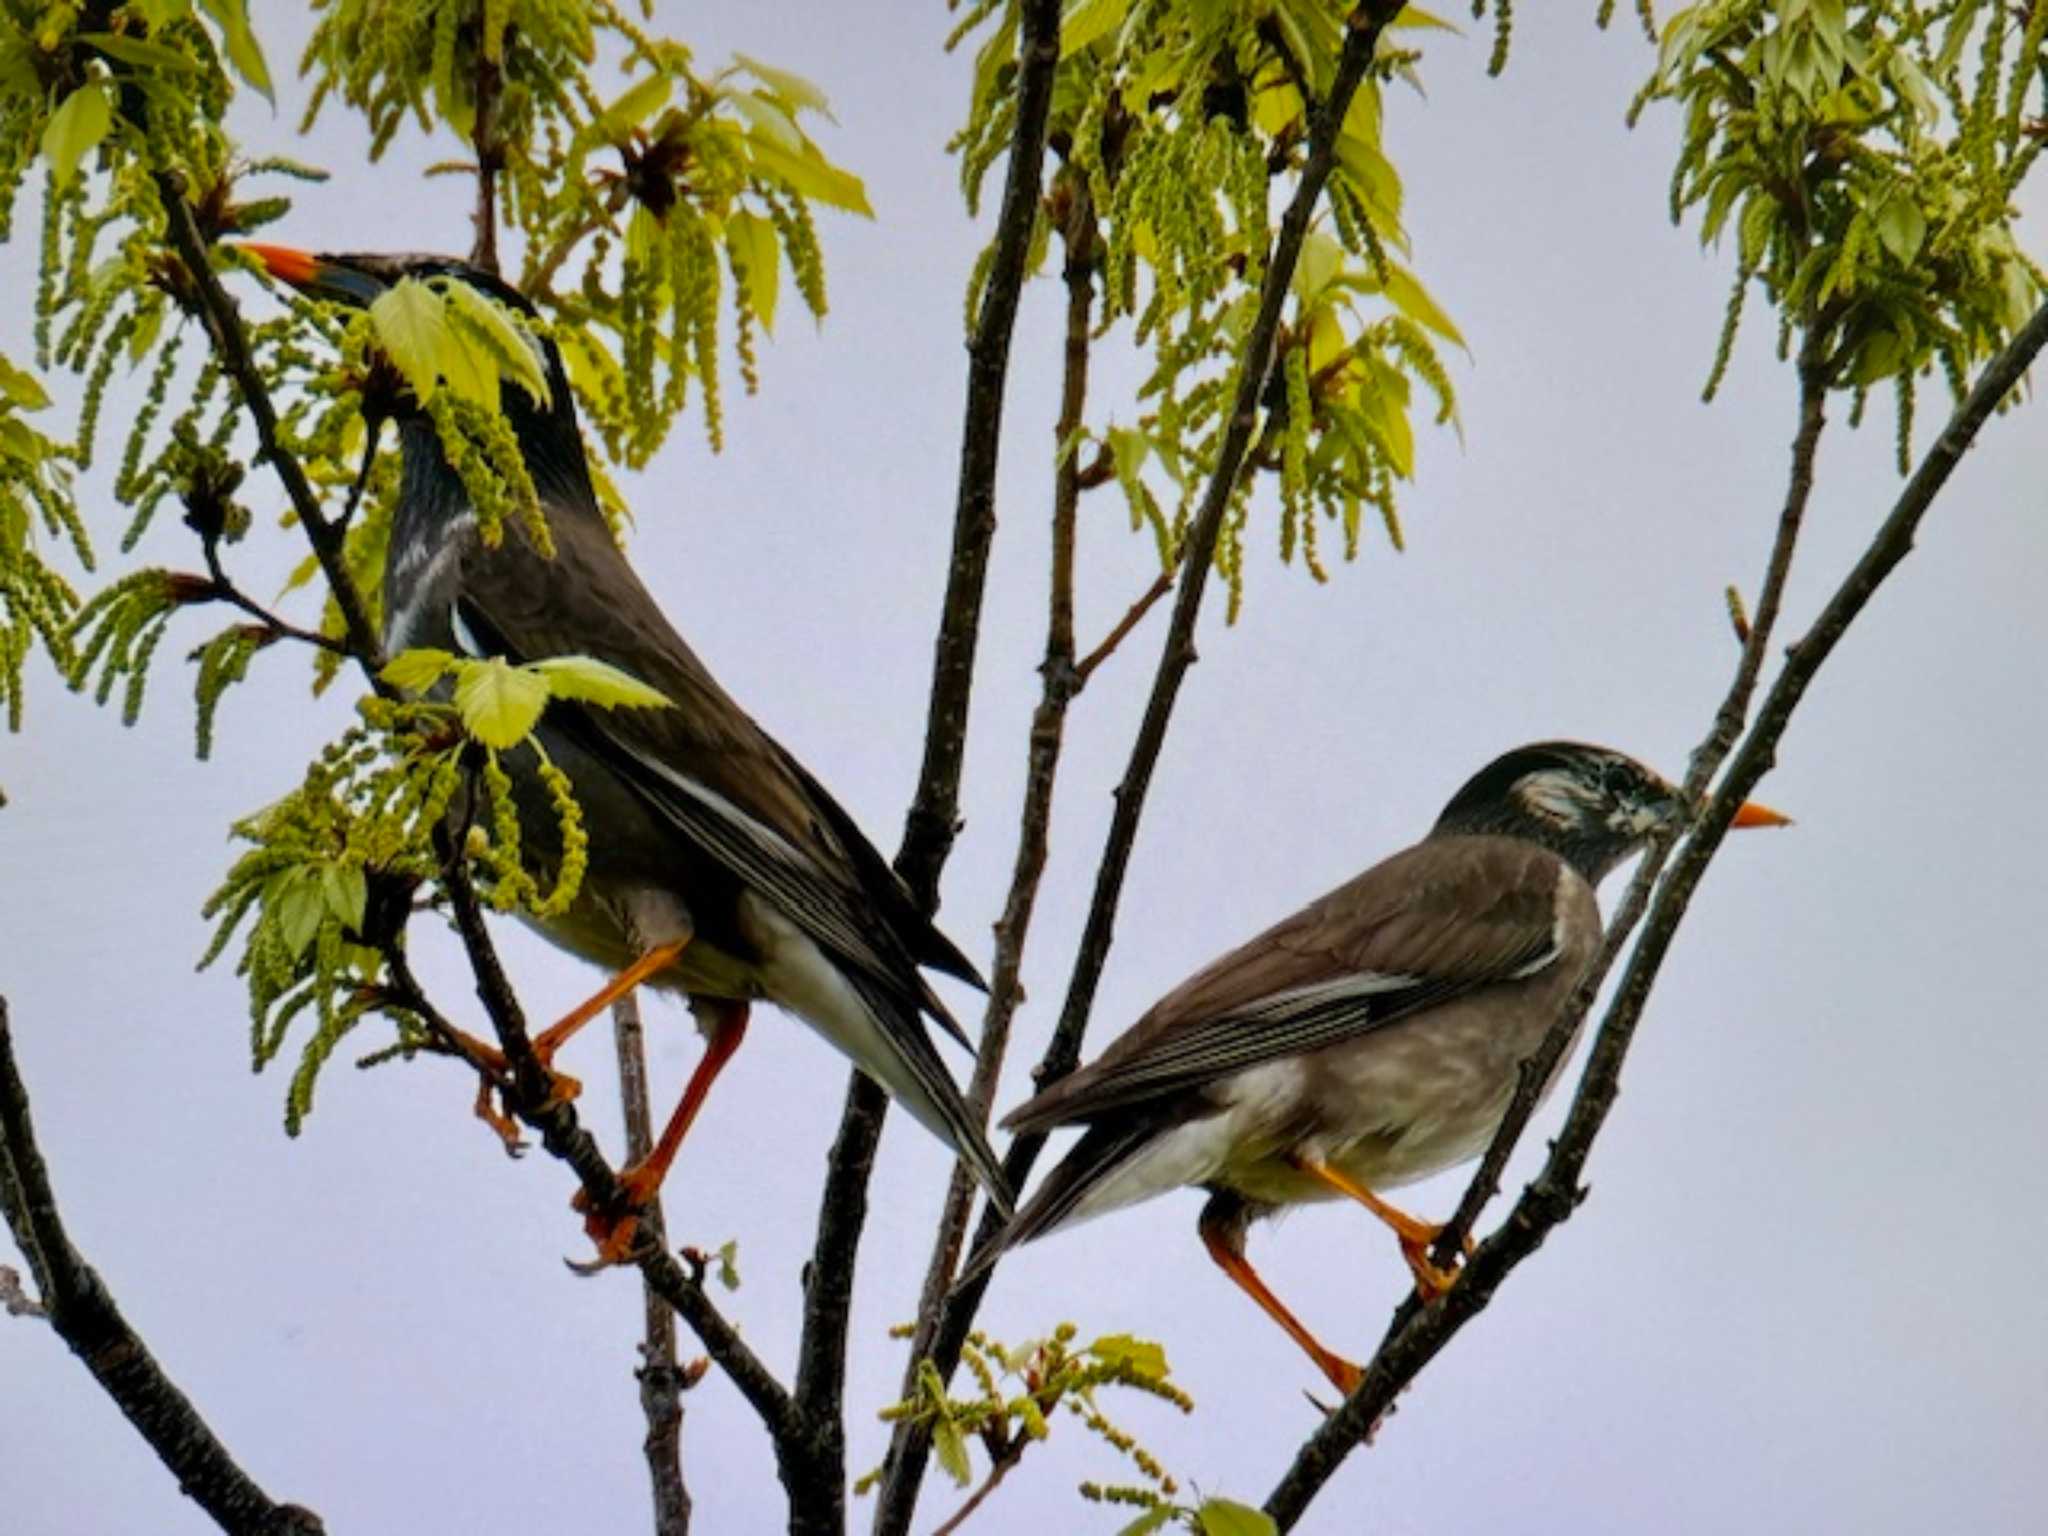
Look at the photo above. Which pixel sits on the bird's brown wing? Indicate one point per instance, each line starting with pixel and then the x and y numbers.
pixel 704 763
pixel 1447 916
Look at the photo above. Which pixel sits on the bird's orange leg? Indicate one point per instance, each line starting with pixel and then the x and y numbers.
pixel 1225 1242
pixel 1416 1235
pixel 487 1058
pixel 614 1232
pixel 557 1034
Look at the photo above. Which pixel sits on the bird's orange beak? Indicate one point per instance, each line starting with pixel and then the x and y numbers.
pixel 299 268
pixel 1750 814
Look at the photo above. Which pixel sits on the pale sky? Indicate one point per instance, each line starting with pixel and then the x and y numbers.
pixel 1804 1295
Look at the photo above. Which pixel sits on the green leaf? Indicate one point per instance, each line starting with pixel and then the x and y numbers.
pixel 75 130
pixel 133 50
pixel 950 1446
pixel 411 325
pixel 1901 226
pixel 1153 1519
pixel 769 119
pixel 1087 20
pixel 727 1259
pixel 639 102
pixel 295 903
pixel 809 175
pixel 794 89
pixel 509 348
pixel 591 681
pixel 346 893
pixel 1144 1357
pixel 1227 1517
pixel 500 704
pixel 232 17
pixel 20 388
pixel 758 254
pixel 417 670
pixel 1413 300
pixel 1321 259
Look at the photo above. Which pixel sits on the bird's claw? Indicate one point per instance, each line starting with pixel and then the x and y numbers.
pixel 616 1229
pixel 1431 1279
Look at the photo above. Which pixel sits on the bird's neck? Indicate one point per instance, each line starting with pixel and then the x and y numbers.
pixel 1592 857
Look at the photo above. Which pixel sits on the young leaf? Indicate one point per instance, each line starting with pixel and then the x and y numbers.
pixel 640 102
pixel 500 704
pixel 346 892
pixel 809 174
pixel 597 682
pixel 1227 1517
pixel 1144 1357
pixel 412 328
pixel 510 349
pixel 794 89
pixel 75 130
pixel 950 1446
pixel 758 255
pixel 417 670
pixel 232 17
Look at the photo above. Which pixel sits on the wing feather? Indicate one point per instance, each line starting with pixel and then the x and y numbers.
pixel 1446 917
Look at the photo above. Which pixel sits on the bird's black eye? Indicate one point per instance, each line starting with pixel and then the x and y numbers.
pixel 1616 782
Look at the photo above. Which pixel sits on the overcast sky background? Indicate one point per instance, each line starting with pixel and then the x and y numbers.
pixel 1806 1292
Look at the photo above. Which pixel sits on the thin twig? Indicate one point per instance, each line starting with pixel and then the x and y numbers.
pixel 220 588
pixel 1161 585
pixel 999 1469
pixel 660 1375
pixel 1362 31
pixel 1551 1197
pixel 83 1313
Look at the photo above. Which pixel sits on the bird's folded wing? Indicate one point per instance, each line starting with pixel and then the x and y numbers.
pixel 1444 918
pixel 704 763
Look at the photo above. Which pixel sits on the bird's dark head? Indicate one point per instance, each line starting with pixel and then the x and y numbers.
pixel 1590 805
pixel 547 429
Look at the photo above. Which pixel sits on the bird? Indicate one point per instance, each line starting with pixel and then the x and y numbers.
pixel 718 865
pixel 1371 1039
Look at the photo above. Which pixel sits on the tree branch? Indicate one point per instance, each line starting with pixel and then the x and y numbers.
pixel 1555 1192
pixel 490 155
pixel 82 1311
pixel 931 824
pixel 223 322
pixel 1062 683
pixel 1362 32
pixel 661 1377
pixel 934 815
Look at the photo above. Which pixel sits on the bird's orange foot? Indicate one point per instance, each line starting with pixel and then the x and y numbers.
pixel 497 1115
pixel 616 1230
pixel 1431 1280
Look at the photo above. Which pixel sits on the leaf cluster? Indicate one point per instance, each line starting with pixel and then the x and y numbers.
pixel 1861 159
pixel 1179 122
pixel 36 601
pixel 409 785
pixel 1021 1388
pixel 634 210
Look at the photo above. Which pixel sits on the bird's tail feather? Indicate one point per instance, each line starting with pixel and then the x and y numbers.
pixel 1094 1159
pixel 928 1091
